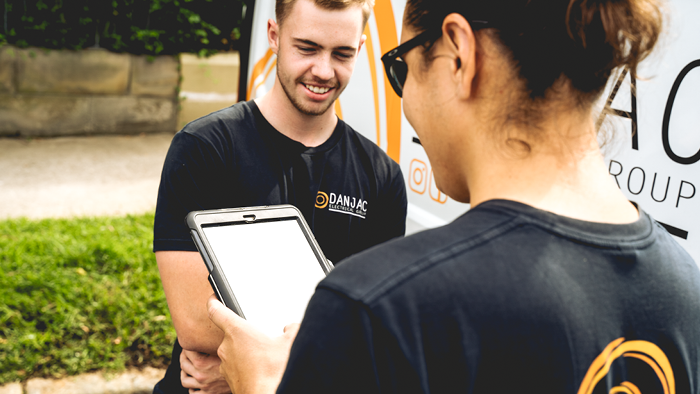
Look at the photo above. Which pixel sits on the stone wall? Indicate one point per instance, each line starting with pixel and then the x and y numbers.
pixel 208 84
pixel 53 93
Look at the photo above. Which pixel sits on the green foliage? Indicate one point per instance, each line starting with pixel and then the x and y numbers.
pixel 78 295
pixel 153 27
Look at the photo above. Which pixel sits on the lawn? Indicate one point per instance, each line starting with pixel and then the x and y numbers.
pixel 79 295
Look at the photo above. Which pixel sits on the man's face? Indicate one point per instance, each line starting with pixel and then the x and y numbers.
pixel 316 53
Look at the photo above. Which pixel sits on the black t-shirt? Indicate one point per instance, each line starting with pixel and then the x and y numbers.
pixel 350 192
pixel 506 299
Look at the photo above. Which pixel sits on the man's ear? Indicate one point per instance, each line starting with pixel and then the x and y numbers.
pixel 459 38
pixel 273 35
pixel 363 38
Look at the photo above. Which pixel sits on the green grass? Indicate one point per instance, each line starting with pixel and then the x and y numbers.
pixel 79 295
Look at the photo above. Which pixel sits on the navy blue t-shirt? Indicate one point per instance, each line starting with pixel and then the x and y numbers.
pixel 506 299
pixel 350 192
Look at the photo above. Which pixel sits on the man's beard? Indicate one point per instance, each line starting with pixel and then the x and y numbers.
pixel 297 103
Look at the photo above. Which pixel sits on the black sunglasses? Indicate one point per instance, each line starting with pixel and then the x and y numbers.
pixel 394 66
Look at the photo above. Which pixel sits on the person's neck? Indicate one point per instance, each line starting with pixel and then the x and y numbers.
pixel 561 173
pixel 310 130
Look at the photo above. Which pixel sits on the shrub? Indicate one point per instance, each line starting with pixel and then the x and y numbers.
pixel 153 27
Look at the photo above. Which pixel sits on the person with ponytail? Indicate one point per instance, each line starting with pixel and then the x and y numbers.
pixel 553 282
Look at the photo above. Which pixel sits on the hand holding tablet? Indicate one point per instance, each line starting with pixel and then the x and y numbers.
pixel 264 262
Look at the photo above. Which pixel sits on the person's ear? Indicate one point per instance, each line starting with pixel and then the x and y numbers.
pixel 273 35
pixel 363 38
pixel 458 37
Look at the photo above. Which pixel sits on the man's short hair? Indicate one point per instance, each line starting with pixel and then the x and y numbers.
pixel 283 7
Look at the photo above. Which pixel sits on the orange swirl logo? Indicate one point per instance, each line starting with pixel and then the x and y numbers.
pixel 321 200
pixel 641 350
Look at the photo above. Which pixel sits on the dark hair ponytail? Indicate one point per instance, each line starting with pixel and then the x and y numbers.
pixel 609 34
pixel 583 40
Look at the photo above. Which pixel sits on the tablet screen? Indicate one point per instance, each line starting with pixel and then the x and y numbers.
pixel 270 268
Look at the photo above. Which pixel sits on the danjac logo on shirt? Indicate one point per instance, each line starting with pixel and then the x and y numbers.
pixel 652 360
pixel 342 204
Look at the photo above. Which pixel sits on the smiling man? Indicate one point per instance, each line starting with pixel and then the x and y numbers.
pixel 287 147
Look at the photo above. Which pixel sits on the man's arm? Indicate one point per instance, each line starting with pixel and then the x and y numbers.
pixel 184 278
pixel 189 182
pixel 187 289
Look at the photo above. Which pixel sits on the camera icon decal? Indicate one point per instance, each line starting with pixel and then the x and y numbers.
pixel 418 176
pixel 420 179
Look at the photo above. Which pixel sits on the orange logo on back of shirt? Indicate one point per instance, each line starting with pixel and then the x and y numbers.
pixel 641 350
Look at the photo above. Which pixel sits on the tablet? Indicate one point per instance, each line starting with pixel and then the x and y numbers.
pixel 264 262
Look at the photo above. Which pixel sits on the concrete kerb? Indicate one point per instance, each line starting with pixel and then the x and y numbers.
pixel 129 382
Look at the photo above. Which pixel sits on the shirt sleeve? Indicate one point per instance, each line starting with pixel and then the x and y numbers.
pixel 188 183
pixel 391 221
pixel 397 204
pixel 333 351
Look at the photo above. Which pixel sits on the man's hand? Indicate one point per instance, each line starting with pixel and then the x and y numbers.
pixel 200 373
pixel 251 362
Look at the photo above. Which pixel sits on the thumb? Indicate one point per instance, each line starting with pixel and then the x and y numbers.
pixel 221 316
